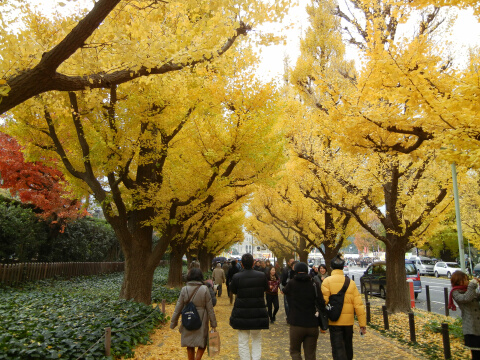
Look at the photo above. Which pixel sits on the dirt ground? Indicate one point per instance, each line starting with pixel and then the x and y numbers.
pixel 275 341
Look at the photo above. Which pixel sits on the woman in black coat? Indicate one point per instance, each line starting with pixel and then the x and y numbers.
pixel 303 303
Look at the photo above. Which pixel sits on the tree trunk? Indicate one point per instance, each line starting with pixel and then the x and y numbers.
pixel 138 276
pixel 203 258
pixel 398 298
pixel 176 267
pixel 302 250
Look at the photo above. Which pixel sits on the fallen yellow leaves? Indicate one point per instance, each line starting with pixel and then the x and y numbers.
pixel 165 343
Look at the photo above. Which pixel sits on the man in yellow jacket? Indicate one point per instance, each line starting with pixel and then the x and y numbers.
pixel 341 331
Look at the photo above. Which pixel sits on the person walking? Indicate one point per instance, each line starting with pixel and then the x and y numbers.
pixel 268 266
pixel 232 271
pixel 303 303
pixel 218 276
pixel 249 314
pixel 465 294
pixel 287 274
pixel 272 294
pixel 198 293
pixel 341 331
pixel 226 267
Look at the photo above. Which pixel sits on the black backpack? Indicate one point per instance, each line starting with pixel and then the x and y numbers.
pixel 335 302
pixel 190 318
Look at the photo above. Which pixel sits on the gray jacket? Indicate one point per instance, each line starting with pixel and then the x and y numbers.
pixel 203 303
pixel 469 303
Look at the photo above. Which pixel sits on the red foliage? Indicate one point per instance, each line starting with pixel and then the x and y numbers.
pixel 36 183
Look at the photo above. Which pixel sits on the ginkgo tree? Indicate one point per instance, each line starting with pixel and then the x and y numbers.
pixel 373 115
pixel 117 41
pixel 154 151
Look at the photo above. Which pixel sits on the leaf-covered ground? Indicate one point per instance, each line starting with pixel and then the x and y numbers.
pixel 166 342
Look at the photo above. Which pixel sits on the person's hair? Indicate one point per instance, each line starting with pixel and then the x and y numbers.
pixel 234 262
pixel 195 274
pixel 458 277
pixel 322 266
pixel 337 262
pixel 219 265
pixel 247 261
pixel 194 264
pixel 270 273
pixel 301 267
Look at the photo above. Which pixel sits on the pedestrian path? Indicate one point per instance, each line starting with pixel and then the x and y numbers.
pixel 275 341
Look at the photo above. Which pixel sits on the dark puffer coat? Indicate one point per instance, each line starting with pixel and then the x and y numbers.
pixel 303 301
pixel 249 311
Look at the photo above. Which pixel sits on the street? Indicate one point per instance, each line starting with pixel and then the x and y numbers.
pixel 436 285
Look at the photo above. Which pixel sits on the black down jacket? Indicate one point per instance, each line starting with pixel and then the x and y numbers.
pixel 249 311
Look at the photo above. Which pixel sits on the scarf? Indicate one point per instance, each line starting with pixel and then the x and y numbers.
pixel 451 304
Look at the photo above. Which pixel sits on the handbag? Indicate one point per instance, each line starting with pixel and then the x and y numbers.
pixel 190 318
pixel 213 343
pixel 335 302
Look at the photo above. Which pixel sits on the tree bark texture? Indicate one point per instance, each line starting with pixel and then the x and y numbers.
pixel 398 299
pixel 176 266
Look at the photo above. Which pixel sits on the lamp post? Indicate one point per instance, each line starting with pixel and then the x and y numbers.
pixel 461 250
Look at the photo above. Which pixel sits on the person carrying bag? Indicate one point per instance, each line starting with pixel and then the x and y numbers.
pixel 198 295
pixel 341 330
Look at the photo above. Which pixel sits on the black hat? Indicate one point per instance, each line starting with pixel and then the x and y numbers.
pixel 301 267
pixel 337 262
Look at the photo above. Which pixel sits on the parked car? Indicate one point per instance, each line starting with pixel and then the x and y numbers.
pixel 376 277
pixel 424 264
pixel 476 270
pixel 443 268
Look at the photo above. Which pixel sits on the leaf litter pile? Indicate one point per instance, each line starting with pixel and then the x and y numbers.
pixel 376 344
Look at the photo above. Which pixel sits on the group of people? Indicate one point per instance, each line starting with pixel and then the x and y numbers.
pixel 305 294
pixel 256 305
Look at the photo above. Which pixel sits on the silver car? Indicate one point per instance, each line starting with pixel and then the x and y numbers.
pixel 443 268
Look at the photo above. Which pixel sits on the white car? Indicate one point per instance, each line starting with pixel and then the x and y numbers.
pixel 443 268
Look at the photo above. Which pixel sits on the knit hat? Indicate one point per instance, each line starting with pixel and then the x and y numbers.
pixel 337 262
pixel 301 267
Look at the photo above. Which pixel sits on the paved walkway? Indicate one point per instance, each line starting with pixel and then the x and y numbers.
pixel 166 342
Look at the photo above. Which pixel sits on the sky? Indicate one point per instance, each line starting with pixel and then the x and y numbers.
pixel 466 32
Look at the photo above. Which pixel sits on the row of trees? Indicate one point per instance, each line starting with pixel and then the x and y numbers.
pixel 369 147
pixel 170 154
pixel 153 109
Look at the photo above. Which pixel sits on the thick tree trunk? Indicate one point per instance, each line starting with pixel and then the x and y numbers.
pixel 138 276
pixel 398 299
pixel 176 267
pixel 203 258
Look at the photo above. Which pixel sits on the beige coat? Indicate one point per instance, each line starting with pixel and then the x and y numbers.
pixel 218 275
pixel 352 304
pixel 203 303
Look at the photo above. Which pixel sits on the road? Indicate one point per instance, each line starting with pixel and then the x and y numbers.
pixel 436 285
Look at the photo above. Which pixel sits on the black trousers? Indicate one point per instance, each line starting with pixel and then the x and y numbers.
pixel 219 290
pixel 303 335
pixel 272 302
pixel 341 339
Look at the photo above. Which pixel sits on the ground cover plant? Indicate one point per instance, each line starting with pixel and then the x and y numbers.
pixel 62 319
pixel 429 342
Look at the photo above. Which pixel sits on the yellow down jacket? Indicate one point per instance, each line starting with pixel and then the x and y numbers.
pixel 352 305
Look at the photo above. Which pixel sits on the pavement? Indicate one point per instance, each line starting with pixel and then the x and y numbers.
pixel 373 345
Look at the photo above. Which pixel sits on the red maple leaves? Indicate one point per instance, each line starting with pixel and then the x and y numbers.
pixel 36 183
